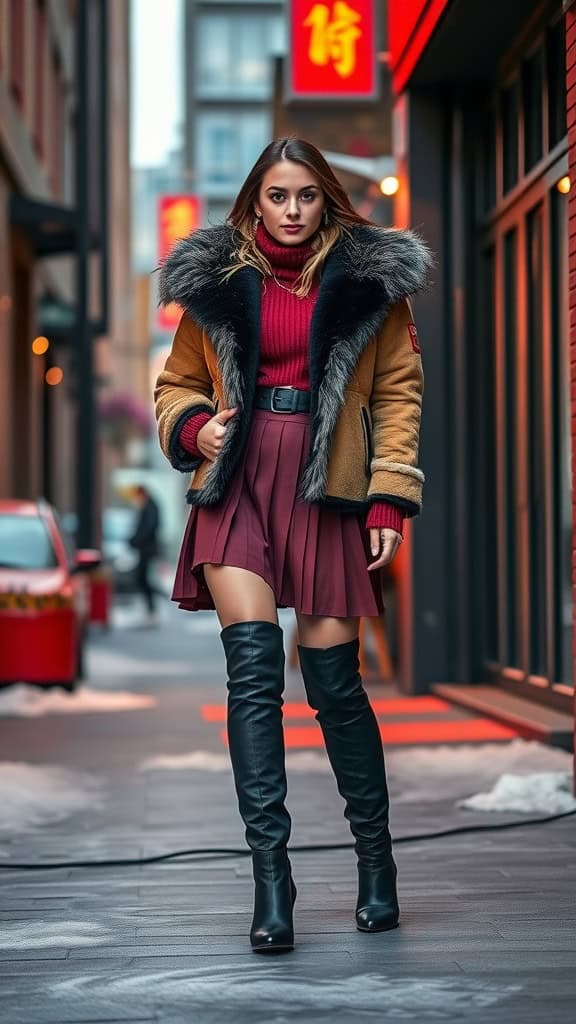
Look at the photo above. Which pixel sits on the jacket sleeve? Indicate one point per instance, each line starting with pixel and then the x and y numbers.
pixel 183 388
pixel 396 404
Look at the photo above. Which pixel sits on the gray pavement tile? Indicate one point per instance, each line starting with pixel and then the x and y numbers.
pixel 488 927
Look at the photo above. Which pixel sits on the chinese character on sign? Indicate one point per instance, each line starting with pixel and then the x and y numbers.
pixel 334 35
pixel 332 50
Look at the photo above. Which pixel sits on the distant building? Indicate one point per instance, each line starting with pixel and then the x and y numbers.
pixel 64 184
pixel 229 89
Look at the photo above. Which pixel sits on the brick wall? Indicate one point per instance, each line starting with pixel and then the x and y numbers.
pixel 571 109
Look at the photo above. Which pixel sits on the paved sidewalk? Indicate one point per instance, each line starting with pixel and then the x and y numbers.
pixel 488 931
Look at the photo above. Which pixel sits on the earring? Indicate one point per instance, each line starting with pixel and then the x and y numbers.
pixel 326 217
pixel 258 216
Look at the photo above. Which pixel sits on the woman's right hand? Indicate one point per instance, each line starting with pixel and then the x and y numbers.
pixel 211 436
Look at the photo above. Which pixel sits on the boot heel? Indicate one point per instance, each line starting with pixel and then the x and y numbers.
pixel 272 928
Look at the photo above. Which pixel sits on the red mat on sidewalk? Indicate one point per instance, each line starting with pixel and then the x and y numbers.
pixel 424 720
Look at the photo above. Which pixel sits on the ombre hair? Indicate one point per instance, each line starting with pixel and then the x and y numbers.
pixel 341 215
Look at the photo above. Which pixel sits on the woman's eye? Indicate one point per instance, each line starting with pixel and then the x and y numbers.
pixel 277 197
pixel 308 196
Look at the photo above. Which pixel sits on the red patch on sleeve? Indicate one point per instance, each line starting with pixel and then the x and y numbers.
pixel 413 337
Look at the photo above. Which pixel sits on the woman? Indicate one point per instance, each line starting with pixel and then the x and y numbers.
pixel 293 394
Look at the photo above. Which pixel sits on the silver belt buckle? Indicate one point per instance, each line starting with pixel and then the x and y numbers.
pixel 280 387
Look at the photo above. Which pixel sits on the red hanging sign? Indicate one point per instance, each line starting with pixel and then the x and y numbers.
pixel 177 217
pixel 332 50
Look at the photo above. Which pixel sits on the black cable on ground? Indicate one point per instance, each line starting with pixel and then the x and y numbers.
pixel 321 847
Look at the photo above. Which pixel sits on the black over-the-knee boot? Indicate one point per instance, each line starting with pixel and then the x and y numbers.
pixel 352 737
pixel 255 662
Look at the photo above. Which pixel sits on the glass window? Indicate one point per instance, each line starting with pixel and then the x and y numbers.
pixel 533 80
pixel 227 145
pixel 233 54
pixel 537 442
pixel 509 121
pixel 556 83
pixel 511 485
pixel 25 543
pixel 485 457
pixel 561 446
pixel 487 161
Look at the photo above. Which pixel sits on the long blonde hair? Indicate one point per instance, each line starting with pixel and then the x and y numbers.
pixel 339 212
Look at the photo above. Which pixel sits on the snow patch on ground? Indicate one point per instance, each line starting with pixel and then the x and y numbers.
pixel 459 771
pixel 539 793
pixel 26 702
pixel 526 776
pixel 208 761
pixel 40 794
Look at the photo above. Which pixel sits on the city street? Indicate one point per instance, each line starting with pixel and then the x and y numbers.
pixel 488 928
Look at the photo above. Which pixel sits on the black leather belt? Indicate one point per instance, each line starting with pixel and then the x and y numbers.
pixel 283 398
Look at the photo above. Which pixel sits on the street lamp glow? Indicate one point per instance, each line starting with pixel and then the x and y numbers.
pixel 40 345
pixel 54 375
pixel 389 185
pixel 563 185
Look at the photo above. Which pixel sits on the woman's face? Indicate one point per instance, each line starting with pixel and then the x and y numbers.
pixel 291 202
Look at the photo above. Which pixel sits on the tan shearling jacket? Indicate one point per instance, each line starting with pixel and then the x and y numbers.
pixel 366 375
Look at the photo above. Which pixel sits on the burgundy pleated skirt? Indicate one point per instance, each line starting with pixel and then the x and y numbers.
pixel 314 558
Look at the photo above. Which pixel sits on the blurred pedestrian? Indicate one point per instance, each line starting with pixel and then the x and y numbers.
pixel 293 393
pixel 145 542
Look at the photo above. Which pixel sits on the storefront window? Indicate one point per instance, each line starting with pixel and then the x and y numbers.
pixel 556 77
pixel 533 83
pixel 509 112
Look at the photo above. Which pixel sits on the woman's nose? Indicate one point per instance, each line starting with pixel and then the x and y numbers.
pixel 293 209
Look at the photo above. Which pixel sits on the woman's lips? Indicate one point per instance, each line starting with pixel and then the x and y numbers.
pixel 292 229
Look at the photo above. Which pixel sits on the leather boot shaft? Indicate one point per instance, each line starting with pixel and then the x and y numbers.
pixel 255 663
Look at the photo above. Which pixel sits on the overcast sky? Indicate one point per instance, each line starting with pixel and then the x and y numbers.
pixel 157 48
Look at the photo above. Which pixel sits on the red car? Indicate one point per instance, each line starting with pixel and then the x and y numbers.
pixel 44 597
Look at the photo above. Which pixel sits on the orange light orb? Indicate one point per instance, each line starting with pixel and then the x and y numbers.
pixel 40 346
pixel 54 375
pixel 563 185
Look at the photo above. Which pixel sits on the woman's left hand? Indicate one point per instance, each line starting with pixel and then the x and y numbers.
pixel 390 541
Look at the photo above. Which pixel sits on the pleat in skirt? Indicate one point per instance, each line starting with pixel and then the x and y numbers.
pixel 313 557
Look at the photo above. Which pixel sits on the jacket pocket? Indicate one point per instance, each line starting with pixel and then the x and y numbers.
pixel 367 432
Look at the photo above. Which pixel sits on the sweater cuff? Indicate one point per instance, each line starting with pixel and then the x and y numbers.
pixel 384 514
pixel 190 431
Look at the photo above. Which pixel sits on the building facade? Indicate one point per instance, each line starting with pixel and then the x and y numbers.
pixel 229 87
pixel 64 183
pixel 480 136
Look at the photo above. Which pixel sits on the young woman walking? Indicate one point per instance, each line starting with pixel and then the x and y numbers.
pixel 293 394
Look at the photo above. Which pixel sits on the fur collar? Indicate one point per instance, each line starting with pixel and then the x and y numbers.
pixel 364 275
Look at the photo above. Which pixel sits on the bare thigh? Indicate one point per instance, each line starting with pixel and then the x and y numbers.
pixel 239 595
pixel 325 631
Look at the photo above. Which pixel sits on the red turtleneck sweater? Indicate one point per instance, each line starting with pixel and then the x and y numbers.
pixel 284 335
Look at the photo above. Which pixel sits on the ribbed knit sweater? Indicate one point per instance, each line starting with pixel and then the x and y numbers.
pixel 284 337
